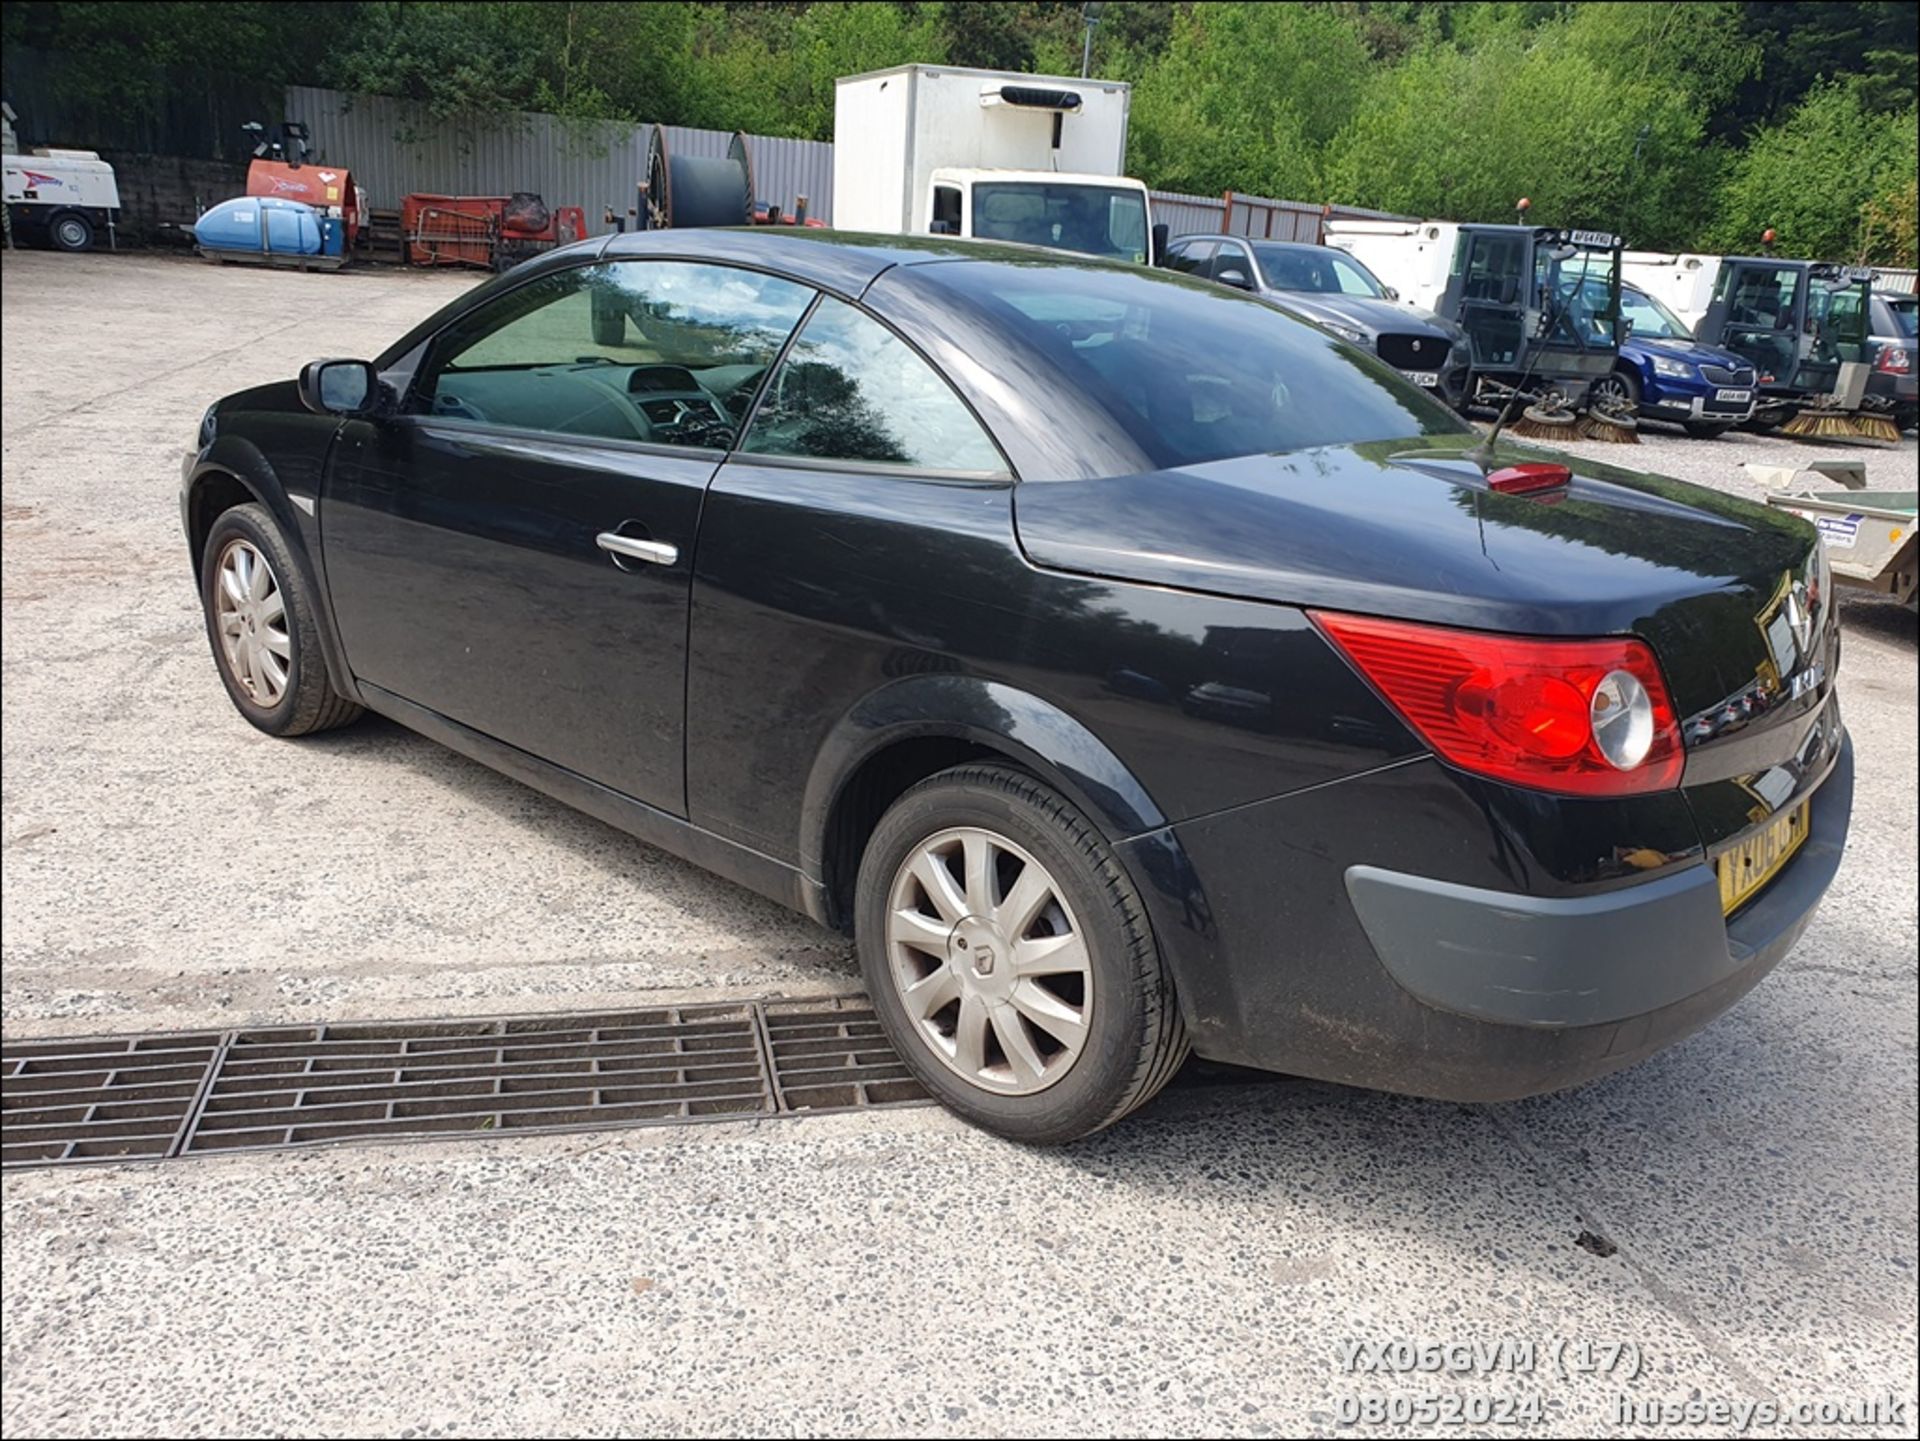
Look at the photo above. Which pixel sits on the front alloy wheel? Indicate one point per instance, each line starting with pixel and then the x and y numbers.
pixel 987 961
pixel 265 639
pixel 252 618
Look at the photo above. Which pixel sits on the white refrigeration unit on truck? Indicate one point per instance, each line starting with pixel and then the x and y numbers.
pixel 1034 159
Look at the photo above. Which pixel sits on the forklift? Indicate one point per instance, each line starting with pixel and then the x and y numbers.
pixel 1541 309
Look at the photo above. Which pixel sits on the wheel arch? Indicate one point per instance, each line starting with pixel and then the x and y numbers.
pixel 234 472
pixel 915 727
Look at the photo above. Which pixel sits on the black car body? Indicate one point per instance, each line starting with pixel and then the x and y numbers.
pixel 1893 347
pixel 1094 556
pixel 1337 293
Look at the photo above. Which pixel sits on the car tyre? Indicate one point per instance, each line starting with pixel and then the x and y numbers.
pixel 71 231
pixel 1621 388
pixel 260 624
pixel 1107 1036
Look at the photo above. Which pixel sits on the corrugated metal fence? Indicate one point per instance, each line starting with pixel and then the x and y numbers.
pixel 1253 215
pixel 396 148
pixel 1902 281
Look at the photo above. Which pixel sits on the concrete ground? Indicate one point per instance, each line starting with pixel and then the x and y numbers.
pixel 1747 1200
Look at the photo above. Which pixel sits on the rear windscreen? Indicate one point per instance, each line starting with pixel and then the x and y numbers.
pixel 1192 372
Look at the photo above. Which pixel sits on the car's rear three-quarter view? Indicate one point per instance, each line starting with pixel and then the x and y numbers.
pixel 1131 668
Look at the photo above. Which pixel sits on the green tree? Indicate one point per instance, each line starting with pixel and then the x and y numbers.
pixel 1246 96
pixel 1834 179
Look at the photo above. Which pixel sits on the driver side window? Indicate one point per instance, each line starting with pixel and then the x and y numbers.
pixel 647 350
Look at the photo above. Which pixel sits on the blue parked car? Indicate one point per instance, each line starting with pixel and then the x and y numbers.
pixel 1667 375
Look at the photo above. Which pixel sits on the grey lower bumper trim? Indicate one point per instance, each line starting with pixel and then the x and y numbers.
pixel 1584 960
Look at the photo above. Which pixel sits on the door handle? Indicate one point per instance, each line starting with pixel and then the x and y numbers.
pixel 654 552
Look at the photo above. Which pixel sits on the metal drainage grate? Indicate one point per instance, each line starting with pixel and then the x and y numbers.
pixel 99 1099
pixel 833 1057
pixel 280 1086
pixel 549 1073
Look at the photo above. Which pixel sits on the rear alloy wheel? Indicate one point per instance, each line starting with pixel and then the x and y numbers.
pixel 988 962
pixel 1009 958
pixel 265 641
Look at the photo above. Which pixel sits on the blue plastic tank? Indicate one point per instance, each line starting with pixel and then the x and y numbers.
pixel 260 224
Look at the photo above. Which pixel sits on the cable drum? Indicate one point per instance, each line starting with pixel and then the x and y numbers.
pixel 685 191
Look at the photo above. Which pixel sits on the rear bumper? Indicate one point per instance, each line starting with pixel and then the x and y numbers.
pixel 1303 957
pixel 1591 960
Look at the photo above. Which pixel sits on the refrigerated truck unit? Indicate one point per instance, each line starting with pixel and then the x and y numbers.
pixel 62 198
pixel 1040 159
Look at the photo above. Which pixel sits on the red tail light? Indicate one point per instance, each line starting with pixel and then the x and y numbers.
pixel 1530 477
pixel 1582 717
pixel 1893 360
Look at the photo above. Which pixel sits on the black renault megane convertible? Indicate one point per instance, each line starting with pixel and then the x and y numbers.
pixel 1129 667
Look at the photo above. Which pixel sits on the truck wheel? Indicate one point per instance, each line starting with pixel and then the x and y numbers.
pixel 1708 429
pixel 1010 960
pixel 71 230
pixel 260 622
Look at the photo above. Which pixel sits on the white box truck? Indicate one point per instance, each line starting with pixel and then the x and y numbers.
pixel 1034 159
pixel 1414 257
pixel 62 198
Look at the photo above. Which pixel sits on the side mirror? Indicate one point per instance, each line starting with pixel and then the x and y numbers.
pixel 340 387
pixel 1392 294
pixel 1236 278
pixel 1157 244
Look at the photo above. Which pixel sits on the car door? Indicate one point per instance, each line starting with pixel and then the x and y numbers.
pixel 513 550
pixel 862 531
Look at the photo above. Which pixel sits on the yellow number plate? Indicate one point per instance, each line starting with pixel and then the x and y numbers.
pixel 1756 860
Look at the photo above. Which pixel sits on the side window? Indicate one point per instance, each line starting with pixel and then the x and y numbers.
pixel 946 210
pixel 1232 261
pixel 852 390
pixel 649 350
pixel 1190 257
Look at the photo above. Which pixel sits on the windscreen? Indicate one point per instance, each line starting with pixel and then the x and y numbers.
pixel 1316 270
pixel 1108 221
pixel 1587 284
pixel 1191 372
pixel 1650 318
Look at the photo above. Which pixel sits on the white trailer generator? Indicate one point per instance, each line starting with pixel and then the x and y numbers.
pixel 62 198
pixel 1034 159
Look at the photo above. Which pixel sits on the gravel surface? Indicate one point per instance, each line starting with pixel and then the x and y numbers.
pixel 1742 1209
